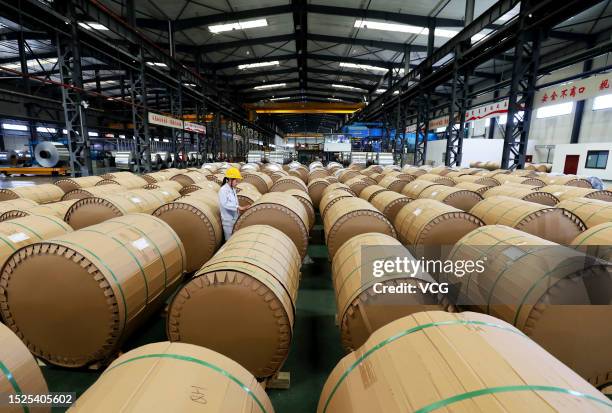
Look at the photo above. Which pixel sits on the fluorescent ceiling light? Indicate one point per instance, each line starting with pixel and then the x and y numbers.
pixel 93 134
pixel 109 135
pixel 380 91
pixel 259 64
pixel 43 129
pixel 406 28
pixel 93 26
pixel 32 63
pixel 283 98
pixel 165 140
pixel 271 86
pixel 122 136
pixel 241 25
pixel 339 86
pixel 13 126
pixel 363 67
pixel 158 64
pixel 156 139
pixel 334 99
pixel 189 84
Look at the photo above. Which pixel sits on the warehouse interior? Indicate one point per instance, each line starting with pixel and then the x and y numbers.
pixel 202 203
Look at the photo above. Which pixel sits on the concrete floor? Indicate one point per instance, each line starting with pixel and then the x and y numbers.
pixel 315 348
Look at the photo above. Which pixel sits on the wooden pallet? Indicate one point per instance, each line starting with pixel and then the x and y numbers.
pixel 281 381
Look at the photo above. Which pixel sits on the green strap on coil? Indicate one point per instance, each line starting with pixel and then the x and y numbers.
pixel 200 362
pixel 14 383
pixel 508 389
pixel 134 258
pixel 405 333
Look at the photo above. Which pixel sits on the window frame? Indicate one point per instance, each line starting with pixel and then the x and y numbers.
pixel 597 153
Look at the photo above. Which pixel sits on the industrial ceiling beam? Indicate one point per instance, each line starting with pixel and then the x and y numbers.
pixel 300 26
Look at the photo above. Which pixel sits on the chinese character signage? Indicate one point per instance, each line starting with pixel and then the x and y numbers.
pixel 438 123
pixel 487 111
pixel 579 89
pixel 170 122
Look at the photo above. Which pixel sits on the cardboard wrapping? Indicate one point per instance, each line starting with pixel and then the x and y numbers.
pixel 56 209
pixel 41 194
pixel 480 180
pixel 19 373
pixel 463 172
pixel 349 217
pixel 414 171
pixel 442 180
pixel 197 225
pixel 262 182
pixel 563 192
pixel 248 197
pixel 462 199
pixel 523 192
pixel 330 198
pixel 596 241
pixel 159 176
pixel 275 176
pixel 535 285
pixel 198 379
pixel 126 181
pixel 468 362
pixel 591 211
pixel 317 174
pixel 246 278
pixel 281 211
pixel 306 203
pixel 22 231
pixel 299 172
pixel 120 174
pixel 430 222
pixel 377 177
pixel 478 188
pixel 361 311
pixel 190 178
pixel 570 180
pixel 395 183
pixel 107 279
pixel 441 170
pixel 513 179
pixel 413 189
pixel 288 182
pixel 492 173
pixel 371 191
pixel 528 172
pixel 16 204
pixel 340 186
pixel 389 203
pixel 217 178
pixel 554 224
pixel 94 191
pixel 206 185
pixel 93 210
pixel 244 185
pixel 207 195
pixel 316 187
pixel 344 175
pixel 359 183
pixel 174 185
pixel 70 184
pixel 372 169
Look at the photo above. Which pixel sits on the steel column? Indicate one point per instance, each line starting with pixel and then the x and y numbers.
pixel 456 111
pixel 69 62
pixel 522 89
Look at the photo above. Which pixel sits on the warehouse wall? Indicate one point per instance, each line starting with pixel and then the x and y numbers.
pixel 581 149
pixel 473 150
